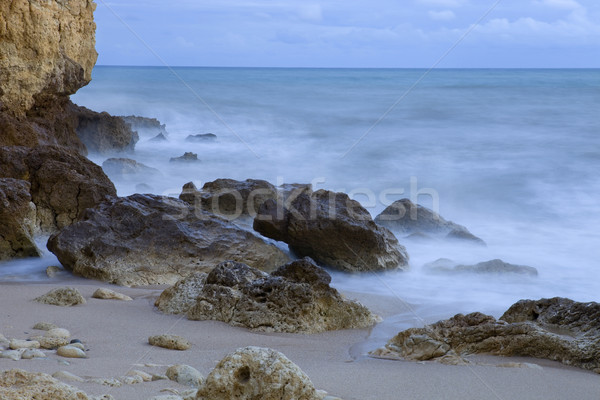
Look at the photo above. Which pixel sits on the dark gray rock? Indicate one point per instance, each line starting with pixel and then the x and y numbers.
pixel 103 133
pixel 406 218
pixel 123 167
pixel 148 239
pixel 203 137
pixel 444 265
pixel 332 229
pixel 187 157
pixel 146 127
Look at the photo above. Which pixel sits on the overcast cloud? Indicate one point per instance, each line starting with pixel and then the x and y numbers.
pixel 349 33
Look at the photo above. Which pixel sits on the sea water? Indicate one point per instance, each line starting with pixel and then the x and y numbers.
pixel 511 154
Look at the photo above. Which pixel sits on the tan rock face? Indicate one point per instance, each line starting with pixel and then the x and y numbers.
pixel 46 50
pixel 257 373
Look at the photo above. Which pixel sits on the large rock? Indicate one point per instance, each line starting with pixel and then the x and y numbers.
pixel 17 384
pixel 148 239
pixel 332 229
pixel 148 127
pixel 17 214
pixel 295 298
pixel 103 133
pixel 229 198
pixel 126 167
pixel 557 329
pixel 63 183
pixel 407 218
pixel 46 51
pixel 257 373
pixel 495 267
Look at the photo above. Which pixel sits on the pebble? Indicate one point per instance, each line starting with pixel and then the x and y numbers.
pixel 67 376
pixel 12 354
pixel 131 380
pixel 71 351
pixel 172 342
pixel 44 326
pixel 29 354
pixel 51 343
pixel 78 345
pixel 58 333
pixel 107 294
pixel 145 376
pixel 112 382
pixel 17 344
pixel 185 375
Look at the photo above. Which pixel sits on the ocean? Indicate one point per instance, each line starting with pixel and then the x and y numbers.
pixel 512 154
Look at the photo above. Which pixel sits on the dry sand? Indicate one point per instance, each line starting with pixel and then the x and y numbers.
pixel 116 333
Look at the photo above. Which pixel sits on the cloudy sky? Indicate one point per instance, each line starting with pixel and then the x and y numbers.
pixel 350 33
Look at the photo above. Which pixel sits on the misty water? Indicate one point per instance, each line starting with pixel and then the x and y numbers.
pixel 513 155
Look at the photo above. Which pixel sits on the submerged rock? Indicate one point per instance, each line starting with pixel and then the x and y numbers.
pixel 295 298
pixel 444 265
pixel 407 218
pixel 122 167
pixel 187 157
pixel 148 239
pixel 332 229
pixel 159 138
pixel 257 373
pixel 18 216
pixel 558 329
pixel 201 137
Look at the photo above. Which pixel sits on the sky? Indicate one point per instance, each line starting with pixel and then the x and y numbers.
pixel 350 33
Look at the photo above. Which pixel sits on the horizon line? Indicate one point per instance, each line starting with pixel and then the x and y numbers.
pixel 288 67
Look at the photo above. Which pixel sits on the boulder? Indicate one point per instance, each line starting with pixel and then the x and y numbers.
pixel 201 137
pixel 18 384
pixel 409 219
pixel 148 239
pixel 558 329
pixel 62 183
pixel 103 133
pixel 146 126
pixel 64 297
pixel 187 157
pixel 229 198
pixel 295 298
pixel 497 267
pixel 331 228
pixel 123 167
pixel 18 216
pixel 257 373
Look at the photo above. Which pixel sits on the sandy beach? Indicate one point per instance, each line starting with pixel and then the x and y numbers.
pixel 115 333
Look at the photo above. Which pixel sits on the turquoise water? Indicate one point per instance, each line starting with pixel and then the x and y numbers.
pixel 512 154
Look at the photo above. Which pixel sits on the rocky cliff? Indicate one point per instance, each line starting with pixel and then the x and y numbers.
pixel 46 51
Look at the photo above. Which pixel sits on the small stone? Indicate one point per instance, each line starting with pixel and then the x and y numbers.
pixel 12 354
pixel 44 326
pixel 64 297
pixel 17 344
pixel 131 380
pixel 172 342
pixel 58 333
pixel 53 270
pixel 78 345
pixel 166 397
pixel 70 351
pixel 102 397
pixel 145 376
pixel 107 294
pixel 185 375
pixel 51 342
pixel 75 341
pixel 159 377
pixel 29 354
pixel 111 382
pixel 67 376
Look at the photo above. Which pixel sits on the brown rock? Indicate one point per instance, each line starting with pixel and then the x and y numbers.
pixel 148 239
pixel 295 298
pixel 257 373
pixel 102 133
pixel 171 342
pixel 333 230
pixel 18 217
pixel 64 297
pixel 63 183
pixel 17 384
pixel 557 329
pixel 407 218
